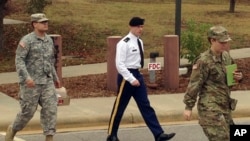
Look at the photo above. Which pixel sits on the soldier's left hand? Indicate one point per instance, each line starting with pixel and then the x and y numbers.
pixel 237 75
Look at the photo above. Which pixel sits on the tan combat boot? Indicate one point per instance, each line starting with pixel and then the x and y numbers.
pixel 49 138
pixel 10 134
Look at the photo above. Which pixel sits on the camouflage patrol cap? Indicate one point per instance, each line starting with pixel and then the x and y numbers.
pixel 38 17
pixel 219 33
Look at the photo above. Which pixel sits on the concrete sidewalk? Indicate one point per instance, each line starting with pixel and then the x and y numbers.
pixel 87 112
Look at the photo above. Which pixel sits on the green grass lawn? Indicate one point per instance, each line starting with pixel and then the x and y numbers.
pixel 160 17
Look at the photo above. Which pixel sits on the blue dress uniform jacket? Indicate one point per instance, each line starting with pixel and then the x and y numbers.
pixel 128 63
pixel 128 56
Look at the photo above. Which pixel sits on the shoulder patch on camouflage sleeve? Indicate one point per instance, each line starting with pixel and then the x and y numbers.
pixel 22 44
pixel 126 39
pixel 195 66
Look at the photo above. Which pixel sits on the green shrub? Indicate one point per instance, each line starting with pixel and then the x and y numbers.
pixel 194 40
pixel 37 6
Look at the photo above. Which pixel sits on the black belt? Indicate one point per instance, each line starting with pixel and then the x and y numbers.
pixel 133 69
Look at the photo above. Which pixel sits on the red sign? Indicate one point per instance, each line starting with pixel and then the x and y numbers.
pixel 154 66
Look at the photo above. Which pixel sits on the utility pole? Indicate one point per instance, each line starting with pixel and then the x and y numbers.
pixel 178 20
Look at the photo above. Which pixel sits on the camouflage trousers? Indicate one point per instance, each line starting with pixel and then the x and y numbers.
pixel 29 98
pixel 216 126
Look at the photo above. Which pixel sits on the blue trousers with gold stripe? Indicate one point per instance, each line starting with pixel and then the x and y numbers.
pixel 125 92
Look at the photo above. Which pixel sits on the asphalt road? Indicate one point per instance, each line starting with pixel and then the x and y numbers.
pixel 125 134
pixel 185 131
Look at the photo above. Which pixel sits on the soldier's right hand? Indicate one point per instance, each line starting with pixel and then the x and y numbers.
pixel 58 84
pixel 135 83
pixel 30 83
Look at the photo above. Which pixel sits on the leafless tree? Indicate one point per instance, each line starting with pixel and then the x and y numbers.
pixel 8 7
pixel 2 9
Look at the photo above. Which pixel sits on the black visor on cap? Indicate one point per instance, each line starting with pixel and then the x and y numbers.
pixel 136 21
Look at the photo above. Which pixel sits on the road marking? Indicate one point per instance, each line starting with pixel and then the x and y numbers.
pixel 15 139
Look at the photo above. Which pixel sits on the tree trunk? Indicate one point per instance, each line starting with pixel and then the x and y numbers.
pixel 2 6
pixel 232 6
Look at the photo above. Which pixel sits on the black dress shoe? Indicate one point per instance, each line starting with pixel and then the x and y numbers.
pixel 112 138
pixel 165 137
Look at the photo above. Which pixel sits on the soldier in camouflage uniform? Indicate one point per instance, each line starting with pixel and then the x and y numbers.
pixel 37 79
pixel 208 81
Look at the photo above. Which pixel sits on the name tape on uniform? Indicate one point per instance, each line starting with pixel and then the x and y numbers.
pixel 154 66
pixel 239 132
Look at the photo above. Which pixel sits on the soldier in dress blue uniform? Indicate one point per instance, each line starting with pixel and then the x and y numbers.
pixel 37 76
pixel 129 59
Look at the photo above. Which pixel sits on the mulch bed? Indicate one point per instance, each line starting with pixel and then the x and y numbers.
pixel 96 85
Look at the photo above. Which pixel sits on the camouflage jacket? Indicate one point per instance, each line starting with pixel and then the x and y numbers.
pixel 35 59
pixel 208 80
